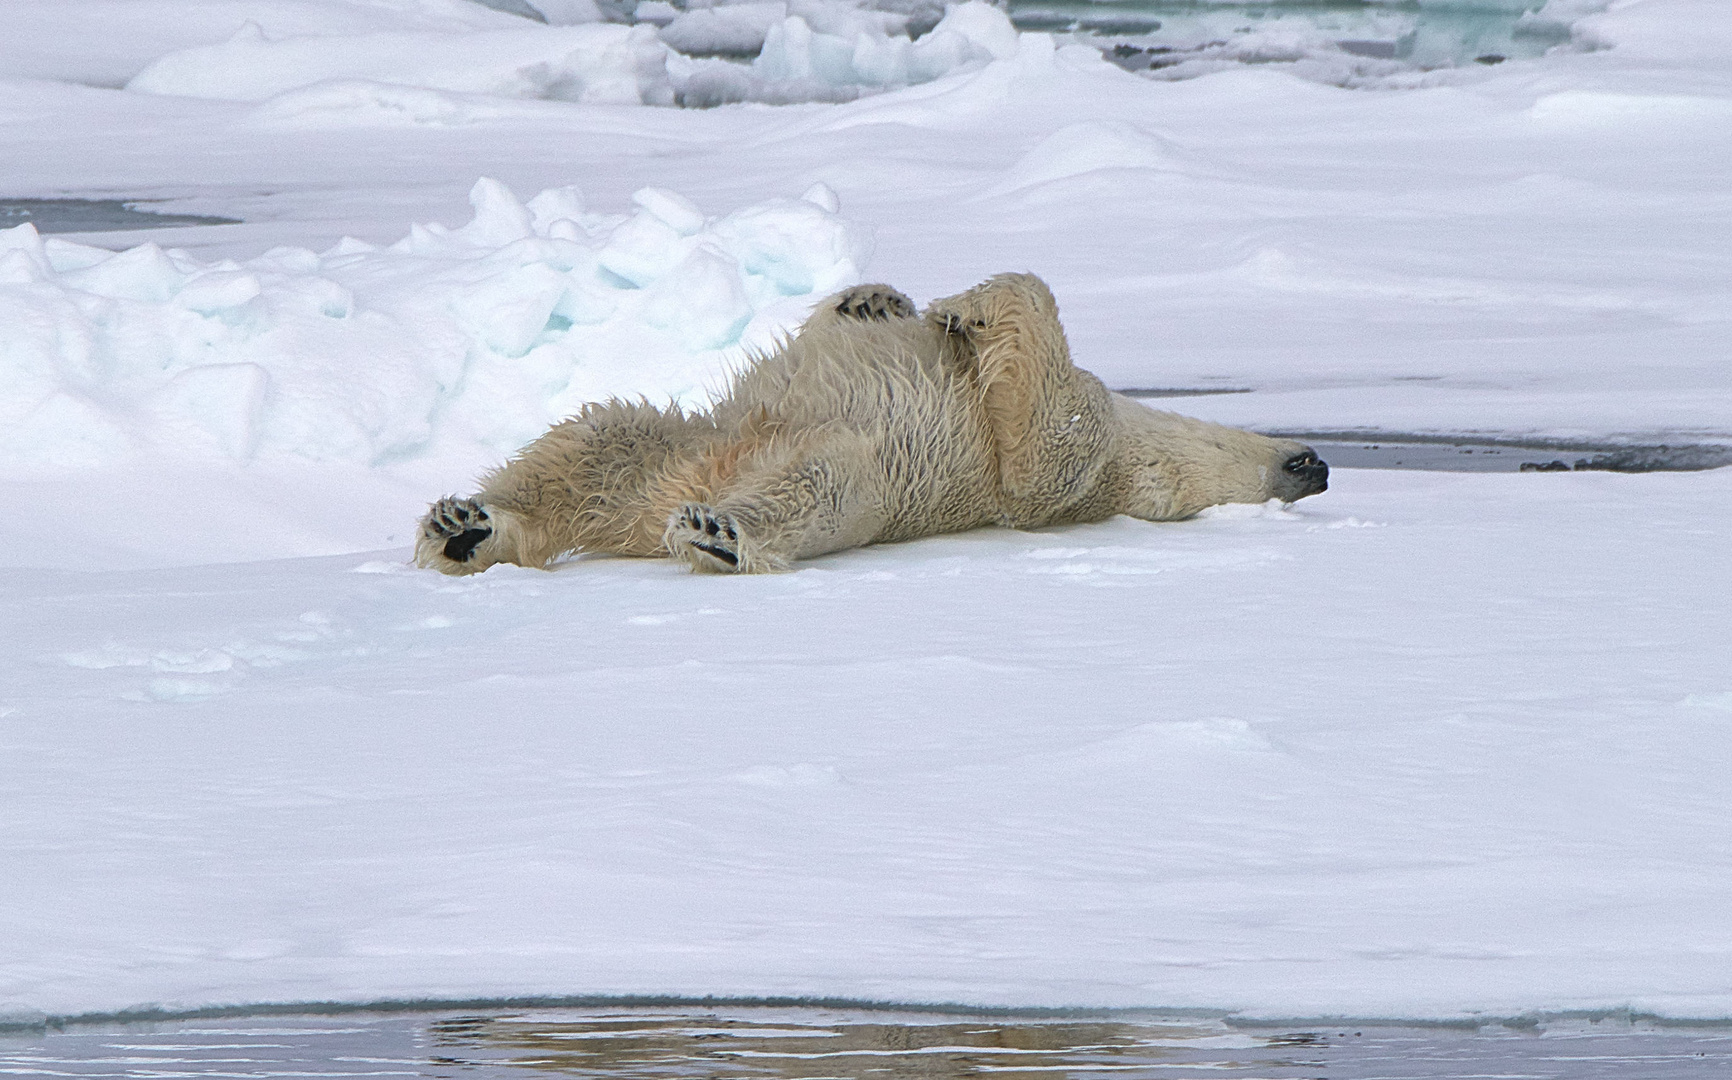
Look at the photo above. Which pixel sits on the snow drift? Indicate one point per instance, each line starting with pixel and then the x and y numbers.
pixel 366 354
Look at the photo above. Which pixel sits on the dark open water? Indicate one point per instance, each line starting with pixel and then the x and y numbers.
pixel 749 1042
pixel 95 215
pixel 1413 33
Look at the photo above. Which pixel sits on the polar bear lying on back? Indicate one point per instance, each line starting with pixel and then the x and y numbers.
pixel 874 423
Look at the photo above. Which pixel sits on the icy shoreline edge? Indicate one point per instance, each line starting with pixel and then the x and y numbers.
pixel 25 1024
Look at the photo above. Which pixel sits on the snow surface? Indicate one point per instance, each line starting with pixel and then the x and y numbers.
pixel 596 64
pixel 1213 764
pixel 107 42
pixel 1421 746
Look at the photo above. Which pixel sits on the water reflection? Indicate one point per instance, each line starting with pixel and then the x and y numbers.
pixel 802 1047
pixel 808 1043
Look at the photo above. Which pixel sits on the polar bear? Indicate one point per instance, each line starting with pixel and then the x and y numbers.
pixel 873 423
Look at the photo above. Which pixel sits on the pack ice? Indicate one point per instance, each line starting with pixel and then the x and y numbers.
pixel 805 50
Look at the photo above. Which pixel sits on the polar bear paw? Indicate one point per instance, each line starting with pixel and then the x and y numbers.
pixel 958 319
pixel 874 302
pixel 705 539
pixel 461 523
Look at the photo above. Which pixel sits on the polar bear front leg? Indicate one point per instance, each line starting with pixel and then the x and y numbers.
pixel 460 536
pixel 1052 423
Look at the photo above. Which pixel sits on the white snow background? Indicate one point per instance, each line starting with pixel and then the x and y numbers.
pixel 1425 746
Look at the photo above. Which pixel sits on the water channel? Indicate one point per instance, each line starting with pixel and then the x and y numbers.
pixel 1154 35
pixel 814 1043
pixel 95 215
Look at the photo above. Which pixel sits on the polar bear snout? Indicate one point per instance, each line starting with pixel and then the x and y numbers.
pixel 1303 474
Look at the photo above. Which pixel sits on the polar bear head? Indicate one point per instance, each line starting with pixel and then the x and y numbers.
pixel 1172 466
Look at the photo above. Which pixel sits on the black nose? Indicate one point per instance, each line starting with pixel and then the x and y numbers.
pixel 1309 471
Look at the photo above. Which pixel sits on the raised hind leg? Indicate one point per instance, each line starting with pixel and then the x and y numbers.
pixel 872 303
pixel 1051 422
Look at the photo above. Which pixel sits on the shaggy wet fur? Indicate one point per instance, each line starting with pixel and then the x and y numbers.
pixel 874 423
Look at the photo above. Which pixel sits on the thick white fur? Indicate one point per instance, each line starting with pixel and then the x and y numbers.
pixel 872 424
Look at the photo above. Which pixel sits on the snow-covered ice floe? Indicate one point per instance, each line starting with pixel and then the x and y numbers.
pixel 365 354
pixel 1428 745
